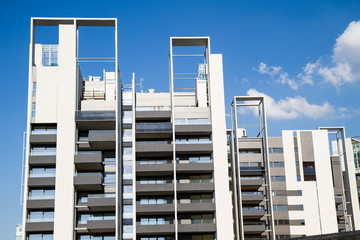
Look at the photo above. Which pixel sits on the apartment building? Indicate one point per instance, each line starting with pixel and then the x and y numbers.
pixel 290 186
pixel 104 161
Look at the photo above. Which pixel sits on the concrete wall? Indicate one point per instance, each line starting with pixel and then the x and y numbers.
pixel 223 205
pixel 66 102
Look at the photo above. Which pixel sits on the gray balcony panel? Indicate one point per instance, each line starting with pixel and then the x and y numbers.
pixel 89 161
pixel 253 214
pixel 41 182
pixel 194 148
pixel 155 209
pixel 103 226
pixel 101 204
pixel 150 189
pixel 251 183
pixel 39 227
pixel 102 140
pixel 252 229
pixel 197 228
pixel 42 160
pixel 40 204
pixel 42 138
pixel 196 207
pixel 88 182
pixel 252 198
pixel 153 149
pixel 155 229
pixel 154 169
pixel 195 187
pixel 339 213
pixel 193 129
pixel 148 115
pixel 194 167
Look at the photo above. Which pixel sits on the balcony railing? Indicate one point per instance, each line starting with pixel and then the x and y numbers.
pixel 95 115
pixel 153 127
pixel 43 152
pixel 153 108
pixel 43 131
pixel 152 142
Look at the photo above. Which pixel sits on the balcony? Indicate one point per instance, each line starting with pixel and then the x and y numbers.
pixel 196 148
pixel 46 179
pixel 198 226
pixel 88 160
pixel 102 139
pixel 42 138
pixel 41 160
pixel 146 230
pixel 253 212
pixel 101 202
pixel 88 181
pixel 189 130
pixel 194 167
pixel 153 148
pixel 153 112
pixel 95 119
pixel 153 127
pixel 97 223
pixel 251 183
pixel 195 187
pixel 196 207
pixel 251 170
pixel 40 204
pixel 155 209
pixel 31 227
pixel 254 227
pixel 252 197
pixel 154 169
pixel 152 189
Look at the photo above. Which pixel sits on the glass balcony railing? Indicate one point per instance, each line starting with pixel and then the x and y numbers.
pixel 43 151
pixel 86 174
pixel 152 142
pixel 192 121
pixel 101 131
pixel 84 199
pixel 95 115
pixel 153 108
pixel 84 218
pixel 42 175
pixel 153 127
pixel 88 152
pixel 254 208
pixel 43 131
pixel 156 181
pixel 155 221
pixel 153 162
pixel 195 180
pixel 251 193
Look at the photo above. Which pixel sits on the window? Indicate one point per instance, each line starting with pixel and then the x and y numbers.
pixel 40 236
pixel 42 172
pixel 280 207
pixel 278 178
pixel 276 164
pixel 109 178
pixel 49 55
pixel 33 109
pixel 276 150
pixel 41 216
pixel 301 207
pixel 34 89
pixel 35 194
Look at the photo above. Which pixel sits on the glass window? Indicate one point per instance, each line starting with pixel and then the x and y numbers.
pixel 47 237
pixel 35 237
pixel 33 109
pixel 34 89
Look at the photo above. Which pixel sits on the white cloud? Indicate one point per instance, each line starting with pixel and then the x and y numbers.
pixel 344 70
pixel 297 107
pixel 277 74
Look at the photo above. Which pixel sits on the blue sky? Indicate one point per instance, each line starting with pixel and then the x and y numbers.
pixel 265 46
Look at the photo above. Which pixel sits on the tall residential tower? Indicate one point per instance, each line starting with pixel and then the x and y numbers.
pixel 106 162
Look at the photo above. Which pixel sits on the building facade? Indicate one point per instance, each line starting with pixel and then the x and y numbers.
pixel 106 162
pixel 290 186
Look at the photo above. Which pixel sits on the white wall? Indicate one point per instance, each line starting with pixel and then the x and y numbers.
pixel 224 225
pixel 66 98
